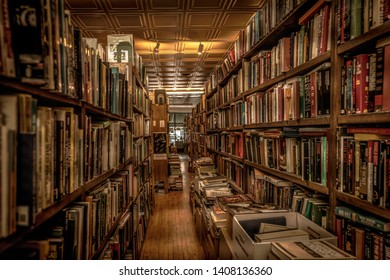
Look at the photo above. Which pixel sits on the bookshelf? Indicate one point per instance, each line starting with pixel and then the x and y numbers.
pixel 262 114
pixel 93 160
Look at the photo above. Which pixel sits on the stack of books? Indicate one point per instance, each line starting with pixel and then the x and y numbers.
pixel 175 179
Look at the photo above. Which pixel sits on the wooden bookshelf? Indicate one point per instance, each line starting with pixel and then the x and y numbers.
pixel 333 122
pixel 83 110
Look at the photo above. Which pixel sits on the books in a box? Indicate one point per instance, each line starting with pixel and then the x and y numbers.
pixel 286 234
pixel 307 250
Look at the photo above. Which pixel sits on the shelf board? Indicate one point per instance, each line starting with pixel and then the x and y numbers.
pixel 41 218
pixel 47 95
pixel 212 131
pixel 283 28
pixel 364 40
pixel 92 109
pixel 233 71
pixel 291 177
pixel 363 205
pixel 368 118
pixel 233 128
pixel 325 120
pixel 299 70
pixel 211 93
pixel 213 150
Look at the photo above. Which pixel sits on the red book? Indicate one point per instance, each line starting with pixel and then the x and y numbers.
pixel 325 30
pixel 386 79
pixel 369 130
pixel 361 83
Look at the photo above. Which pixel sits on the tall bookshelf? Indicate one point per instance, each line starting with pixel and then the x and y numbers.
pixel 80 174
pixel 251 125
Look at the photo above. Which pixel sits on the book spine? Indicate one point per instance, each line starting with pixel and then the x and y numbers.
pixel 362 83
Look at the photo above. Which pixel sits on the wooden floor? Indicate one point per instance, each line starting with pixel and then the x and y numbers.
pixel 171 233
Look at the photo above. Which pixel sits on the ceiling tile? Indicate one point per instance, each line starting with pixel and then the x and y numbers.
pixel 82 4
pixel 129 20
pixel 201 19
pixel 245 4
pixel 236 20
pixel 94 21
pixel 228 34
pixel 166 4
pixel 208 4
pixel 124 4
pixel 197 35
pixel 171 20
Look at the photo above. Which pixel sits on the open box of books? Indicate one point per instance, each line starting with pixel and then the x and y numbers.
pixel 252 240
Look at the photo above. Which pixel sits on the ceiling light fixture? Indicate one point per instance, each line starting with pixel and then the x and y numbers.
pixel 200 48
pixel 156 48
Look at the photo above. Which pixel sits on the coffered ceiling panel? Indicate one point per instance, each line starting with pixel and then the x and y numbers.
pixel 236 20
pixel 246 4
pixel 123 4
pixel 84 4
pixel 207 4
pixel 95 21
pixel 198 20
pixel 129 20
pixel 179 26
pixel 165 20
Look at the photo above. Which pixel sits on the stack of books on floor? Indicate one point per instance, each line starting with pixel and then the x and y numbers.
pixel 175 179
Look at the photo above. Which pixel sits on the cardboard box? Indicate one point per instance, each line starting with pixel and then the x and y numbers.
pixel 244 227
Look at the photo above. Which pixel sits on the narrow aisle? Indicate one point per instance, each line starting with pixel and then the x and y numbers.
pixel 171 233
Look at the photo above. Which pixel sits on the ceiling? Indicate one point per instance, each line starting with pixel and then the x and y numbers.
pixel 179 26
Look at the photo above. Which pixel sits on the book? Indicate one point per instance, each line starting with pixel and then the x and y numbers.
pixel 292 234
pixel 363 218
pixel 308 250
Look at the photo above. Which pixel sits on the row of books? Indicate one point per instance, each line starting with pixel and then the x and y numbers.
pixel 108 144
pixel 232 116
pixel 364 164
pixel 365 81
pixel 79 229
pixel 306 96
pixel 301 152
pixel 357 17
pixel 212 121
pixel 212 141
pixel 232 143
pixel 63 61
pixel 228 92
pixel 268 189
pixel 263 21
pixel 362 235
pixel 141 150
pixel 312 40
pixel 233 170
pixel 42 158
pixel 260 24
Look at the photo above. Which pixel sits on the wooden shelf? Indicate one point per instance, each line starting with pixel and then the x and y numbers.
pixel 364 205
pixel 368 118
pixel 301 122
pixel 233 128
pixel 211 93
pixel 291 177
pixel 15 85
pixel 366 40
pixel 92 109
pixel 233 71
